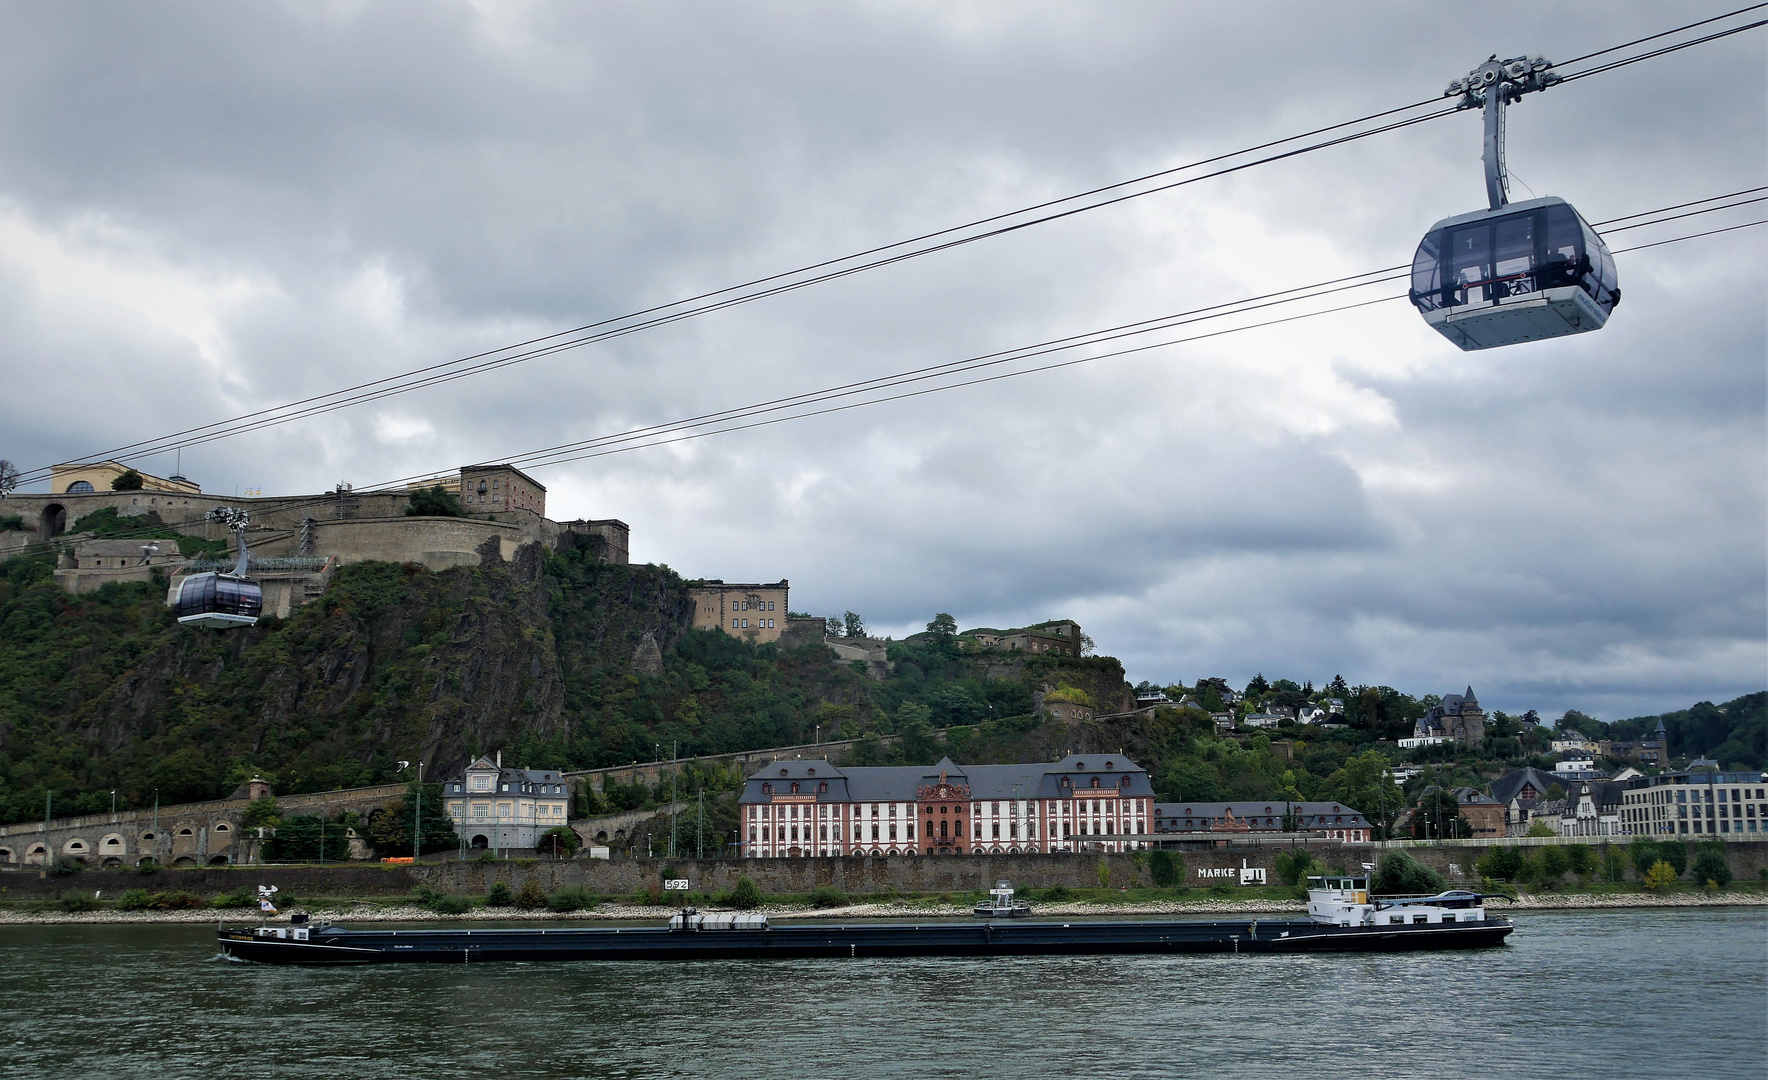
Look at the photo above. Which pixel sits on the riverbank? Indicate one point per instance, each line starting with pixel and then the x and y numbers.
pixel 362 911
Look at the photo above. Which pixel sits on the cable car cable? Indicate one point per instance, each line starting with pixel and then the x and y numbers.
pixel 148 449
pixel 1661 34
pixel 162 443
pixel 134 448
pixel 885 382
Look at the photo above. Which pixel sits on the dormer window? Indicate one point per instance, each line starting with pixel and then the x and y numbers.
pixel 822 787
pixel 794 787
pixel 1095 781
pixel 1110 765
pixel 767 789
pixel 1123 781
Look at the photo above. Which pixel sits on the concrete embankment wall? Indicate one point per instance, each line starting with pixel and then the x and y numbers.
pixel 858 875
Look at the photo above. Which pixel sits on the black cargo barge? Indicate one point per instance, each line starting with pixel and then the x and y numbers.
pixel 341 945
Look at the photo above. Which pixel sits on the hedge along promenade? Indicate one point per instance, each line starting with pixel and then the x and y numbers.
pixel 854 875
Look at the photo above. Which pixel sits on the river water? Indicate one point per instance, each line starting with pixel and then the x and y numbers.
pixel 1616 993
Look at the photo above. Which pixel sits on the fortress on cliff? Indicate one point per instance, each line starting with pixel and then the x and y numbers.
pixel 295 541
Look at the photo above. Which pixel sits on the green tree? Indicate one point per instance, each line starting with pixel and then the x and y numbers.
pixel 1366 784
pixel 390 830
pixel 435 501
pixel 129 481
pixel 852 625
pixel 1710 864
pixel 560 841
pixel 1554 862
pixel 1190 780
pixel 1166 869
pixel 943 627
pixel 260 812
pixel 307 838
pixel 1398 872
pixel 744 894
pixel 1500 864
pixel 1580 858
pixel 1293 867
pixel 1660 876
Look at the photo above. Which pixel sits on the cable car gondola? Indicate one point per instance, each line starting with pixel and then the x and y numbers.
pixel 1513 272
pixel 223 601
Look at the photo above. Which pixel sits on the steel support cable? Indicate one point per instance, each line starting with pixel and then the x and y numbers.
pixel 1073 341
pixel 147 448
pixel 1665 51
pixel 661 319
pixel 1071 363
pixel 1662 34
pixel 398 484
pixel 1678 206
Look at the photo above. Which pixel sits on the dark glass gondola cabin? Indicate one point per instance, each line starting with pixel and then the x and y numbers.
pixel 222 601
pixel 1524 272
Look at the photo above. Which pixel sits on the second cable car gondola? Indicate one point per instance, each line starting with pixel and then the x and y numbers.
pixel 1513 272
pixel 223 601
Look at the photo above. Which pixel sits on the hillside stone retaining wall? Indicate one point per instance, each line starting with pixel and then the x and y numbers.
pixel 859 875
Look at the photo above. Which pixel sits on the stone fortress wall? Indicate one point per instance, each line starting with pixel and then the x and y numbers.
pixel 300 539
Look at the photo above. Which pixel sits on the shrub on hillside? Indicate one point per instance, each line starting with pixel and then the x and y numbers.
pixel 531 897
pixel 1167 870
pixel 176 900
pixel 451 904
pixel 1500 864
pixel 1660 876
pixel 499 895
pixel 560 841
pixel 238 898
pixel 745 894
pixel 827 896
pixel 135 900
pixel 1293 867
pixel 1399 872
pixel 77 900
pixel 1580 858
pixel 569 898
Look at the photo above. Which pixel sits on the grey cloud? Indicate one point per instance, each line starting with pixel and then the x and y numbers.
pixel 413 182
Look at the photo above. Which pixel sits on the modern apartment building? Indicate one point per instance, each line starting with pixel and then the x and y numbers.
pixel 1704 804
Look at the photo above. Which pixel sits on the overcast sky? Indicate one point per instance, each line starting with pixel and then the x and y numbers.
pixel 211 208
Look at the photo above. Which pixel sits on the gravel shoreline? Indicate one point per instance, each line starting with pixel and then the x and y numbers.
pixel 367 912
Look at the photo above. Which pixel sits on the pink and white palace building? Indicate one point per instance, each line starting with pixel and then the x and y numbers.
pixel 799 808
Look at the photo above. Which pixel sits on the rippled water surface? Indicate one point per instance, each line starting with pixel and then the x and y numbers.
pixel 1610 994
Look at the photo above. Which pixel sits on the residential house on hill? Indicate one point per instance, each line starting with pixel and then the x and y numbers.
pixel 1457 717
